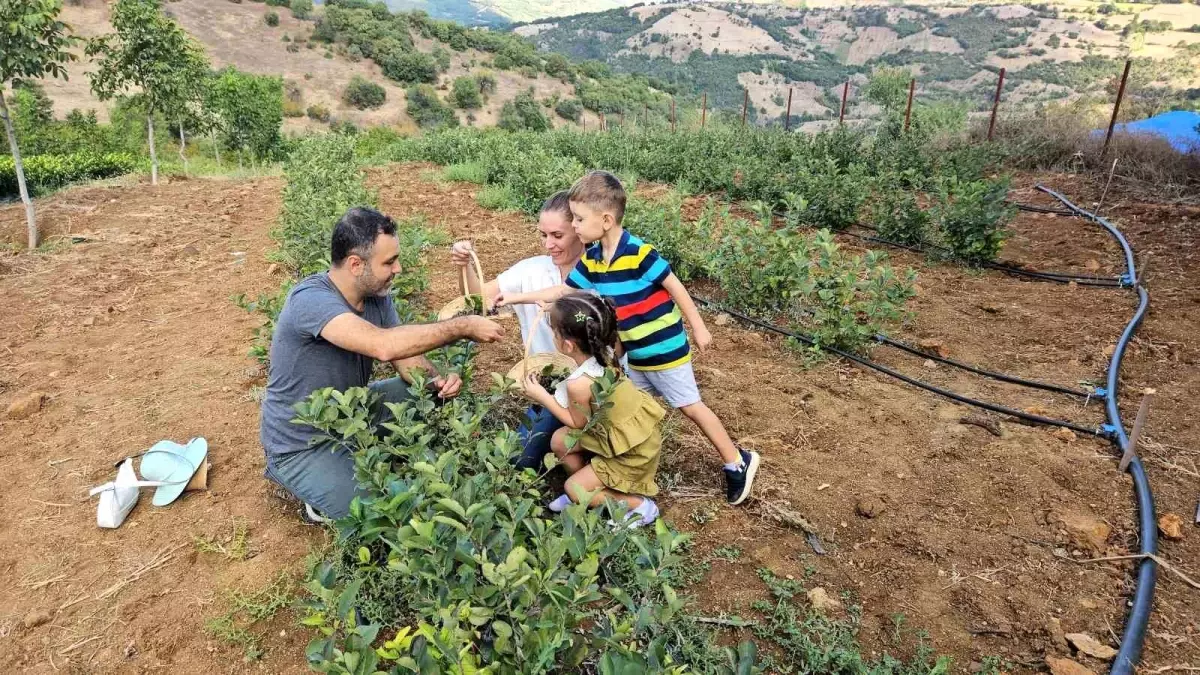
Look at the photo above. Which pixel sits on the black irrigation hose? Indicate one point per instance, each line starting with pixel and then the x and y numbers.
pixel 1009 268
pixel 883 339
pixel 1042 209
pixel 1037 419
pixel 1134 636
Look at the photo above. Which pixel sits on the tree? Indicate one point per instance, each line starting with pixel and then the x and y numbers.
pixel 466 93
pixel 363 93
pixel 427 110
pixel 150 52
pixel 249 109
pixel 302 9
pixel 888 88
pixel 33 44
pixel 523 112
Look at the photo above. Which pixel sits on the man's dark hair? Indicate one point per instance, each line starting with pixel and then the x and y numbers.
pixel 558 203
pixel 356 231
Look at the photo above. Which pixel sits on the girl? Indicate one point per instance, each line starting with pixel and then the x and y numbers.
pixel 617 457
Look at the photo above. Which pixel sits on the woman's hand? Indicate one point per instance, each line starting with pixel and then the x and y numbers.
pixel 460 252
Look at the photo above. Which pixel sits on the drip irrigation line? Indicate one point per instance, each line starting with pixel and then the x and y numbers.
pixel 1130 267
pixel 1034 384
pixel 1134 635
pixel 1058 277
pixel 1037 419
pixel 1042 209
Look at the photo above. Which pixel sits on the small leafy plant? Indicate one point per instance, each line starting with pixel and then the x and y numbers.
pixel 972 217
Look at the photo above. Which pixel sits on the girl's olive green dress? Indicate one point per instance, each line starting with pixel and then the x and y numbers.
pixel 626 442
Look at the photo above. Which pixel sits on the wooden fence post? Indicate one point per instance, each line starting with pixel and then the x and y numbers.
pixel 787 120
pixel 745 105
pixel 996 104
pixel 912 86
pixel 704 110
pixel 1116 109
pixel 672 114
pixel 845 93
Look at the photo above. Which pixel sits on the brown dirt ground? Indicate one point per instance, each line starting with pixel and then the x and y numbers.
pixel 108 329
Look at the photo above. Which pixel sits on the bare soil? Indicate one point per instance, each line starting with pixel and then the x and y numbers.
pixel 132 336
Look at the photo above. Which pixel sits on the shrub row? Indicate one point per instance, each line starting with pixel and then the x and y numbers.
pixel 49 172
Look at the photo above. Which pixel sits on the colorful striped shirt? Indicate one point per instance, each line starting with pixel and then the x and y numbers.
pixel 648 322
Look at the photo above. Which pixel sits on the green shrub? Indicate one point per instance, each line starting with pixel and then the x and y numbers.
pixel 834 196
pixel 569 109
pixel 444 510
pixel 427 109
pixel 279 3
pixel 318 112
pixel 897 216
pixel 470 172
pixel 302 9
pixel 363 94
pixel 410 67
pixel 972 217
pixel 323 180
pixel 271 18
pixel 498 198
pixel 466 93
pixel 44 173
pixel 838 299
pixel 523 113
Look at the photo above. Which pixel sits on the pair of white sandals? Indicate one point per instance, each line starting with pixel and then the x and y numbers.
pixel 167 466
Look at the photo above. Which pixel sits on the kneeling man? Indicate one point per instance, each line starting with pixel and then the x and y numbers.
pixel 333 327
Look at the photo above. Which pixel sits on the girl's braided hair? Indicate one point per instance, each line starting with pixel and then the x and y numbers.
pixel 590 321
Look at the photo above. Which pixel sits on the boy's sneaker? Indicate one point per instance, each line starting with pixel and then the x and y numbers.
pixel 739 483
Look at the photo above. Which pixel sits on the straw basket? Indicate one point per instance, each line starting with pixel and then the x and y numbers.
pixel 533 363
pixel 457 305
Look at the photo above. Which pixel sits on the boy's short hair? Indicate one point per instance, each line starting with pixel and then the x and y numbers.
pixel 600 190
pixel 557 203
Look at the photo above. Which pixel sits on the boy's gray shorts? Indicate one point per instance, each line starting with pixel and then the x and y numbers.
pixel 677 385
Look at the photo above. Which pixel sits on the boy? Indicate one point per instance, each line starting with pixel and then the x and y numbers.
pixel 651 306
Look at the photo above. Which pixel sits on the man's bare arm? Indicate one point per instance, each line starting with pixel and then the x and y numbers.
pixel 354 334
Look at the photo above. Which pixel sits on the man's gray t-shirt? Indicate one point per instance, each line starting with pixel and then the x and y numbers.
pixel 302 361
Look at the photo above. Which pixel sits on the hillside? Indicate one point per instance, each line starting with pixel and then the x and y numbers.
pixel 1051 52
pixel 317 73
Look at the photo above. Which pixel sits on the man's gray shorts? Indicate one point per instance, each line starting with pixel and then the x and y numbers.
pixel 677 385
pixel 323 475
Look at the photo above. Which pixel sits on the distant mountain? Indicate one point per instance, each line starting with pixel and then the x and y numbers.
pixel 1051 51
pixel 501 12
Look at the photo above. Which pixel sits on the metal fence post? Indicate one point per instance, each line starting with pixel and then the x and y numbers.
pixel 996 104
pixel 1116 109
pixel 672 114
pixel 704 110
pixel 912 86
pixel 787 120
pixel 845 93
pixel 745 105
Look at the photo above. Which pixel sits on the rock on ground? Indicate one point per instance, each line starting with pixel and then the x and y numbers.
pixel 26 406
pixel 822 602
pixel 1066 667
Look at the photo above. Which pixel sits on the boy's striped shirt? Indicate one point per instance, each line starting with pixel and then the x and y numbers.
pixel 648 322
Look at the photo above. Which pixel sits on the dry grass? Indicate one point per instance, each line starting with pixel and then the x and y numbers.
pixel 1064 141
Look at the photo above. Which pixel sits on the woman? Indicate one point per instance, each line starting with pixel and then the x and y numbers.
pixel 563 251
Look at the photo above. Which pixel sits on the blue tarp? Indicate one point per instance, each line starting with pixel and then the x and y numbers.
pixel 1178 127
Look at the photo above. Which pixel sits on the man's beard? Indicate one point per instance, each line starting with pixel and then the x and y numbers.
pixel 369 284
